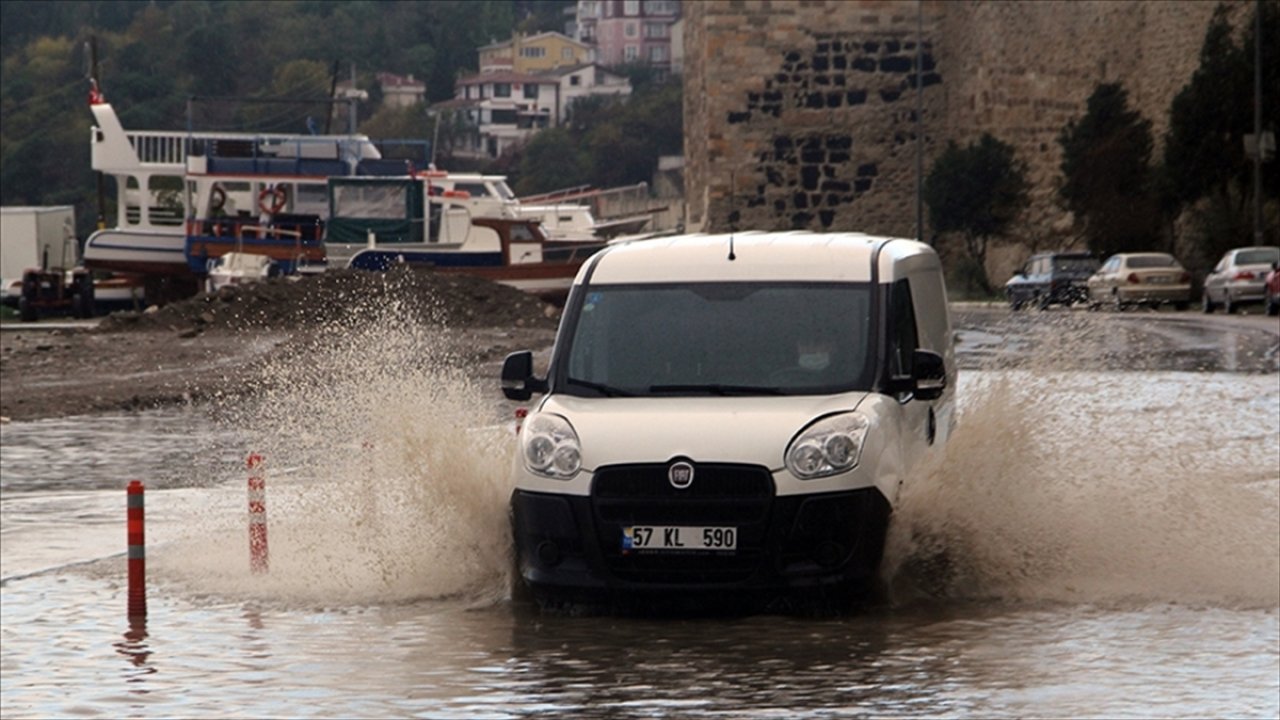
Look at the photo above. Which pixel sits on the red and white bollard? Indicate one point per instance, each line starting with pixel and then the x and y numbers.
pixel 137 552
pixel 257 514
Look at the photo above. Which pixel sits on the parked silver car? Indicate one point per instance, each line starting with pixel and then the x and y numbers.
pixel 1140 279
pixel 1239 277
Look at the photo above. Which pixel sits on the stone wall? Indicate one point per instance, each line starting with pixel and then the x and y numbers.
pixel 803 113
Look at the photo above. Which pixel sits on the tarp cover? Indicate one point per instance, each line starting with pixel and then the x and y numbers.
pixel 392 208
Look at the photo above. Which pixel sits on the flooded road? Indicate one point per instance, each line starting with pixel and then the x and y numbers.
pixel 1101 541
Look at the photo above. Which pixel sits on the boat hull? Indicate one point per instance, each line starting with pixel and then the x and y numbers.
pixel 549 281
pixel 288 256
pixel 148 252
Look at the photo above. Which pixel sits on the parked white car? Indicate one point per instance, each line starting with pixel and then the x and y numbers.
pixel 1147 278
pixel 1239 277
pixel 730 415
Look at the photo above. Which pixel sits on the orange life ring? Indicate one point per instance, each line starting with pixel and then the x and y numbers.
pixel 272 199
pixel 218 198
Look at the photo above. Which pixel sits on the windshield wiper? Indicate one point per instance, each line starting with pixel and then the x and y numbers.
pixel 605 390
pixel 718 389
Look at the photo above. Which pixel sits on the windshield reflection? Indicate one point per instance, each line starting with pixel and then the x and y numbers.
pixel 717 339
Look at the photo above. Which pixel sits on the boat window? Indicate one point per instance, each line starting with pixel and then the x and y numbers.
pixel 503 190
pixel 720 339
pixel 311 198
pixel 522 233
pixel 473 188
pixel 369 201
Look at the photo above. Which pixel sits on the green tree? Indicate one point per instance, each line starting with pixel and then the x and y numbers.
pixel 976 191
pixel 1204 164
pixel 552 160
pixel 614 140
pixel 1106 174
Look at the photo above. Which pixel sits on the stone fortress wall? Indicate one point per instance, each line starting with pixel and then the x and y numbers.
pixel 802 113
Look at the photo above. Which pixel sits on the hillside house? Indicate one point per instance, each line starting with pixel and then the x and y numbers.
pixel 508 108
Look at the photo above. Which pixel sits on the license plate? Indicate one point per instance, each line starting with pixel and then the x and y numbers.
pixel 1160 280
pixel 659 537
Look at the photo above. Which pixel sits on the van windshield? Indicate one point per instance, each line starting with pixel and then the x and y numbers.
pixel 739 338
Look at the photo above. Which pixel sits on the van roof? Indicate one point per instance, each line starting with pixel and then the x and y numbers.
pixel 758 255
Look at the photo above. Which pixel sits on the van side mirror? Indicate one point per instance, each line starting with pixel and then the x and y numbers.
pixel 929 372
pixel 518 382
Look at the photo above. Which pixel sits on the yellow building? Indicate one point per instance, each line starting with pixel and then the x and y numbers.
pixel 526 54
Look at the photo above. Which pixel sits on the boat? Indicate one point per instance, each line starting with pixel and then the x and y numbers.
pixel 238 268
pixel 571 222
pixel 410 221
pixel 186 198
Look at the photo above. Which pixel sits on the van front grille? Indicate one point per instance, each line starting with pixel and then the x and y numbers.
pixel 721 495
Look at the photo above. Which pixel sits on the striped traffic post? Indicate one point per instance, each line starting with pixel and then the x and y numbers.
pixel 257 514
pixel 137 552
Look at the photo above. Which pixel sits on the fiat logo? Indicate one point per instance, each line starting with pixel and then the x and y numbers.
pixel 680 474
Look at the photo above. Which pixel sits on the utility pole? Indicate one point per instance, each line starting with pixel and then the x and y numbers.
pixel 920 120
pixel 1257 123
pixel 351 107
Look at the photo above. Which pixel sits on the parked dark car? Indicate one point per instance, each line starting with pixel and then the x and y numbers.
pixel 1051 278
pixel 1273 289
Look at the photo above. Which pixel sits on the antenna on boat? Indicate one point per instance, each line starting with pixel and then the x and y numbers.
pixel 733 212
pixel 95 96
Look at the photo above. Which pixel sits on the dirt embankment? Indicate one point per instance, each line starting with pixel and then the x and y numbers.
pixel 190 350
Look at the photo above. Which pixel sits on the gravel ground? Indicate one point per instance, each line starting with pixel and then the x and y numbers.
pixel 198 348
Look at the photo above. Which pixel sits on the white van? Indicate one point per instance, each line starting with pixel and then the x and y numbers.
pixel 731 414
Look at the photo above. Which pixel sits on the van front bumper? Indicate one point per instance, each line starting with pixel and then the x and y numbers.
pixel 571 547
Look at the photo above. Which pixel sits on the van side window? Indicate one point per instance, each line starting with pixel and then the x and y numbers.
pixel 903 339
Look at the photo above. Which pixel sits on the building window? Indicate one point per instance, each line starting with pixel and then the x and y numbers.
pixel 631 52
pixel 533 52
pixel 574 80
pixel 503 117
pixel 657 30
pixel 631 8
pixel 659 7
pixel 530 91
pixel 502 90
pixel 657 53
pixel 566 53
pixel 630 30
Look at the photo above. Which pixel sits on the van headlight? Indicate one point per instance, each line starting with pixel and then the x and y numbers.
pixel 829 446
pixel 550 447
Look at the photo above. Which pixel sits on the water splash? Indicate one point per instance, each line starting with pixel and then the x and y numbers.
pixel 1066 482
pixel 386 476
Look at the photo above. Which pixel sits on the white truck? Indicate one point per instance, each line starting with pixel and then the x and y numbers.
pixel 35 237
pixel 38 249
pixel 729 416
